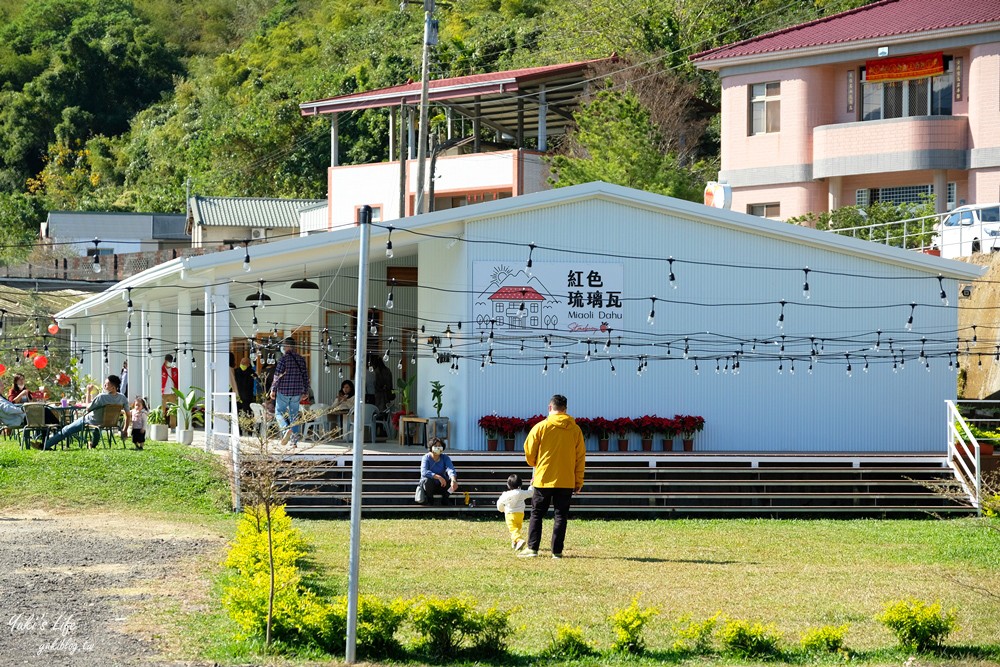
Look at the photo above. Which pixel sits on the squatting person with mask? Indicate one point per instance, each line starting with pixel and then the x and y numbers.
pixel 437 473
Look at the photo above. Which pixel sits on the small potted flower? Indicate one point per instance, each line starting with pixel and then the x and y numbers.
pixel 687 426
pixel 509 426
pixel 620 427
pixel 491 424
pixel 648 426
pixel 601 427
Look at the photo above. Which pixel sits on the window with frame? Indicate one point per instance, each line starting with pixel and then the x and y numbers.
pixel 772 210
pixel 925 96
pixel 903 194
pixel 765 107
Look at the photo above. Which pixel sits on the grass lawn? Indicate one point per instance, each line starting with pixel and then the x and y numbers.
pixel 795 574
pixel 164 478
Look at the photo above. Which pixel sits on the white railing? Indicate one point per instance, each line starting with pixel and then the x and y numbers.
pixel 912 233
pixel 964 455
pixel 233 437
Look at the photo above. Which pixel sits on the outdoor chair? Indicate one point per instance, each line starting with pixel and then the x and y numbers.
pixel 368 421
pixel 316 420
pixel 259 419
pixel 108 426
pixel 34 425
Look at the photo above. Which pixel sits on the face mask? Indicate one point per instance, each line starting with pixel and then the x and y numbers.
pixel 243 367
pixel 437 449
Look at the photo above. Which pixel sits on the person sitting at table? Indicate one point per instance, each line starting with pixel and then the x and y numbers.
pixel 19 391
pixel 94 414
pixel 345 397
pixel 11 415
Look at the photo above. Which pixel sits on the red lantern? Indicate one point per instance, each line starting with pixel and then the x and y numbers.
pixel 40 361
pixel 53 328
pixel 3 369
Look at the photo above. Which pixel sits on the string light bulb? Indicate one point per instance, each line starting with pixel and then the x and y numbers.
pixel 388 243
pixel 389 302
pixel 128 306
pixel 651 320
pixel 944 297
pixel 805 284
pixel 909 321
pixel 672 279
pixel 246 256
pixel 531 250
pixel 545 368
pixel 781 315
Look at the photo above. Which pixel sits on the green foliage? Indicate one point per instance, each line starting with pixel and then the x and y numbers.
pixel 299 616
pixel 750 640
pixel 21 215
pixel 378 622
pixel 825 639
pixel 437 390
pixel 156 416
pixel 917 625
pixel 629 623
pixel 618 143
pixel 695 636
pixel 404 386
pixel 878 217
pixel 447 626
pixel 568 643
pixel 186 407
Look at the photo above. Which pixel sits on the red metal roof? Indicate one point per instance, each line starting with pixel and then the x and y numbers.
pixel 443 89
pixel 517 294
pixel 887 18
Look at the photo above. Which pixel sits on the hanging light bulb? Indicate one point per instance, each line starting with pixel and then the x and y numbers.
pixel 878 340
pixel 389 302
pixel 194 362
pixel 805 285
pixel 531 250
pixel 388 243
pixel 246 256
pixel 651 320
pixel 128 306
pixel 685 348
pixel 371 369
pixel 128 327
pixel 781 316
pixel 696 367
pixel 865 369
pixel 613 371
pixel 944 297
pixel 374 328
pixel 399 364
pixel 850 371
pixel 672 279
pixel 545 368
pixel 385 357
pixel 791 368
pixel 909 321
pixel 340 373
pixel 413 359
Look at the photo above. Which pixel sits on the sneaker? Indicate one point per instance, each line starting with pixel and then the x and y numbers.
pixel 557 556
pixel 528 553
pixel 519 545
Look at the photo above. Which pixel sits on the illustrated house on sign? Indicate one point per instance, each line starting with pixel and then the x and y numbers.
pixel 517 306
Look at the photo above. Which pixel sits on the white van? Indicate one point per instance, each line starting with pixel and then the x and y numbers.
pixel 968 230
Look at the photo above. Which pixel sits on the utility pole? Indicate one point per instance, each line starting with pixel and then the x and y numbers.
pixel 430 39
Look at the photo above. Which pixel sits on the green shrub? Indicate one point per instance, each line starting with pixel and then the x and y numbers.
pixel 444 624
pixel 917 625
pixel 826 639
pixel 378 622
pixel 629 624
pixel 299 616
pixel 750 640
pixel 568 644
pixel 695 636
pixel 493 632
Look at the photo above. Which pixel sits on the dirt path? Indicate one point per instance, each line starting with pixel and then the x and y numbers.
pixel 72 587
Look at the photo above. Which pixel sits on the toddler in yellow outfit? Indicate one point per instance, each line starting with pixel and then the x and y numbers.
pixel 511 503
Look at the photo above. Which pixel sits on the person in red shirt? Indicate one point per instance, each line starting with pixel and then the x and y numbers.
pixel 168 383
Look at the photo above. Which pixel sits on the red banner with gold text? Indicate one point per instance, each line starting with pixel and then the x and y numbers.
pixel 905 67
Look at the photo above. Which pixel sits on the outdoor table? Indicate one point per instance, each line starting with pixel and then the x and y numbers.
pixel 66 416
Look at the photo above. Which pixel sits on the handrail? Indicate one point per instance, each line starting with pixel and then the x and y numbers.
pixel 971 480
pixel 234 438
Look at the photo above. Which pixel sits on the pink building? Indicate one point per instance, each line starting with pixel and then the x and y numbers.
pixel 890 101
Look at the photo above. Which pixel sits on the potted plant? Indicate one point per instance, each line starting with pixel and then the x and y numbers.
pixel 687 426
pixel 509 427
pixel 601 427
pixel 438 426
pixel 185 408
pixel 158 424
pixel 648 427
pixel 620 427
pixel 490 424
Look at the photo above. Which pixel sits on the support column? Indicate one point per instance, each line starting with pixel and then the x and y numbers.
pixel 940 191
pixel 520 121
pixel 448 115
pixel 402 160
pixel 334 141
pixel 155 362
pixel 185 380
pixel 141 374
pixel 208 365
pixel 476 125
pixel 543 112
pixel 218 346
pixel 410 140
pixel 392 133
pixel 130 357
pixel 833 186
pixel 105 352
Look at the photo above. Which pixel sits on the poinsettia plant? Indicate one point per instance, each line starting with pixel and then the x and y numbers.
pixel 620 426
pixel 491 424
pixel 586 425
pixel 531 422
pixel 600 427
pixel 501 427
pixel 688 425
pixel 648 426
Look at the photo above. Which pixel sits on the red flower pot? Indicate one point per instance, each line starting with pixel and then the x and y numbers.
pixel 508 444
pixel 622 444
pixel 602 444
pixel 688 444
pixel 647 444
pixel 491 444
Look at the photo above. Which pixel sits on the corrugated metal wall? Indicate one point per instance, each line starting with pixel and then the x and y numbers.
pixel 756 410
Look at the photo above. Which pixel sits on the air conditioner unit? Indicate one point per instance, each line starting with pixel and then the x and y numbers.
pixel 258 234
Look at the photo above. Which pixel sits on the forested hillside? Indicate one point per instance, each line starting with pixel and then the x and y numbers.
pixel 113 104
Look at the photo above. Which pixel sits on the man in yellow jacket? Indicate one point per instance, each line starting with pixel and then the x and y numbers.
pixel 556 450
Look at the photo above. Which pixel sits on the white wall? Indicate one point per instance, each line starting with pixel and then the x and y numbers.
pixel 758 409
